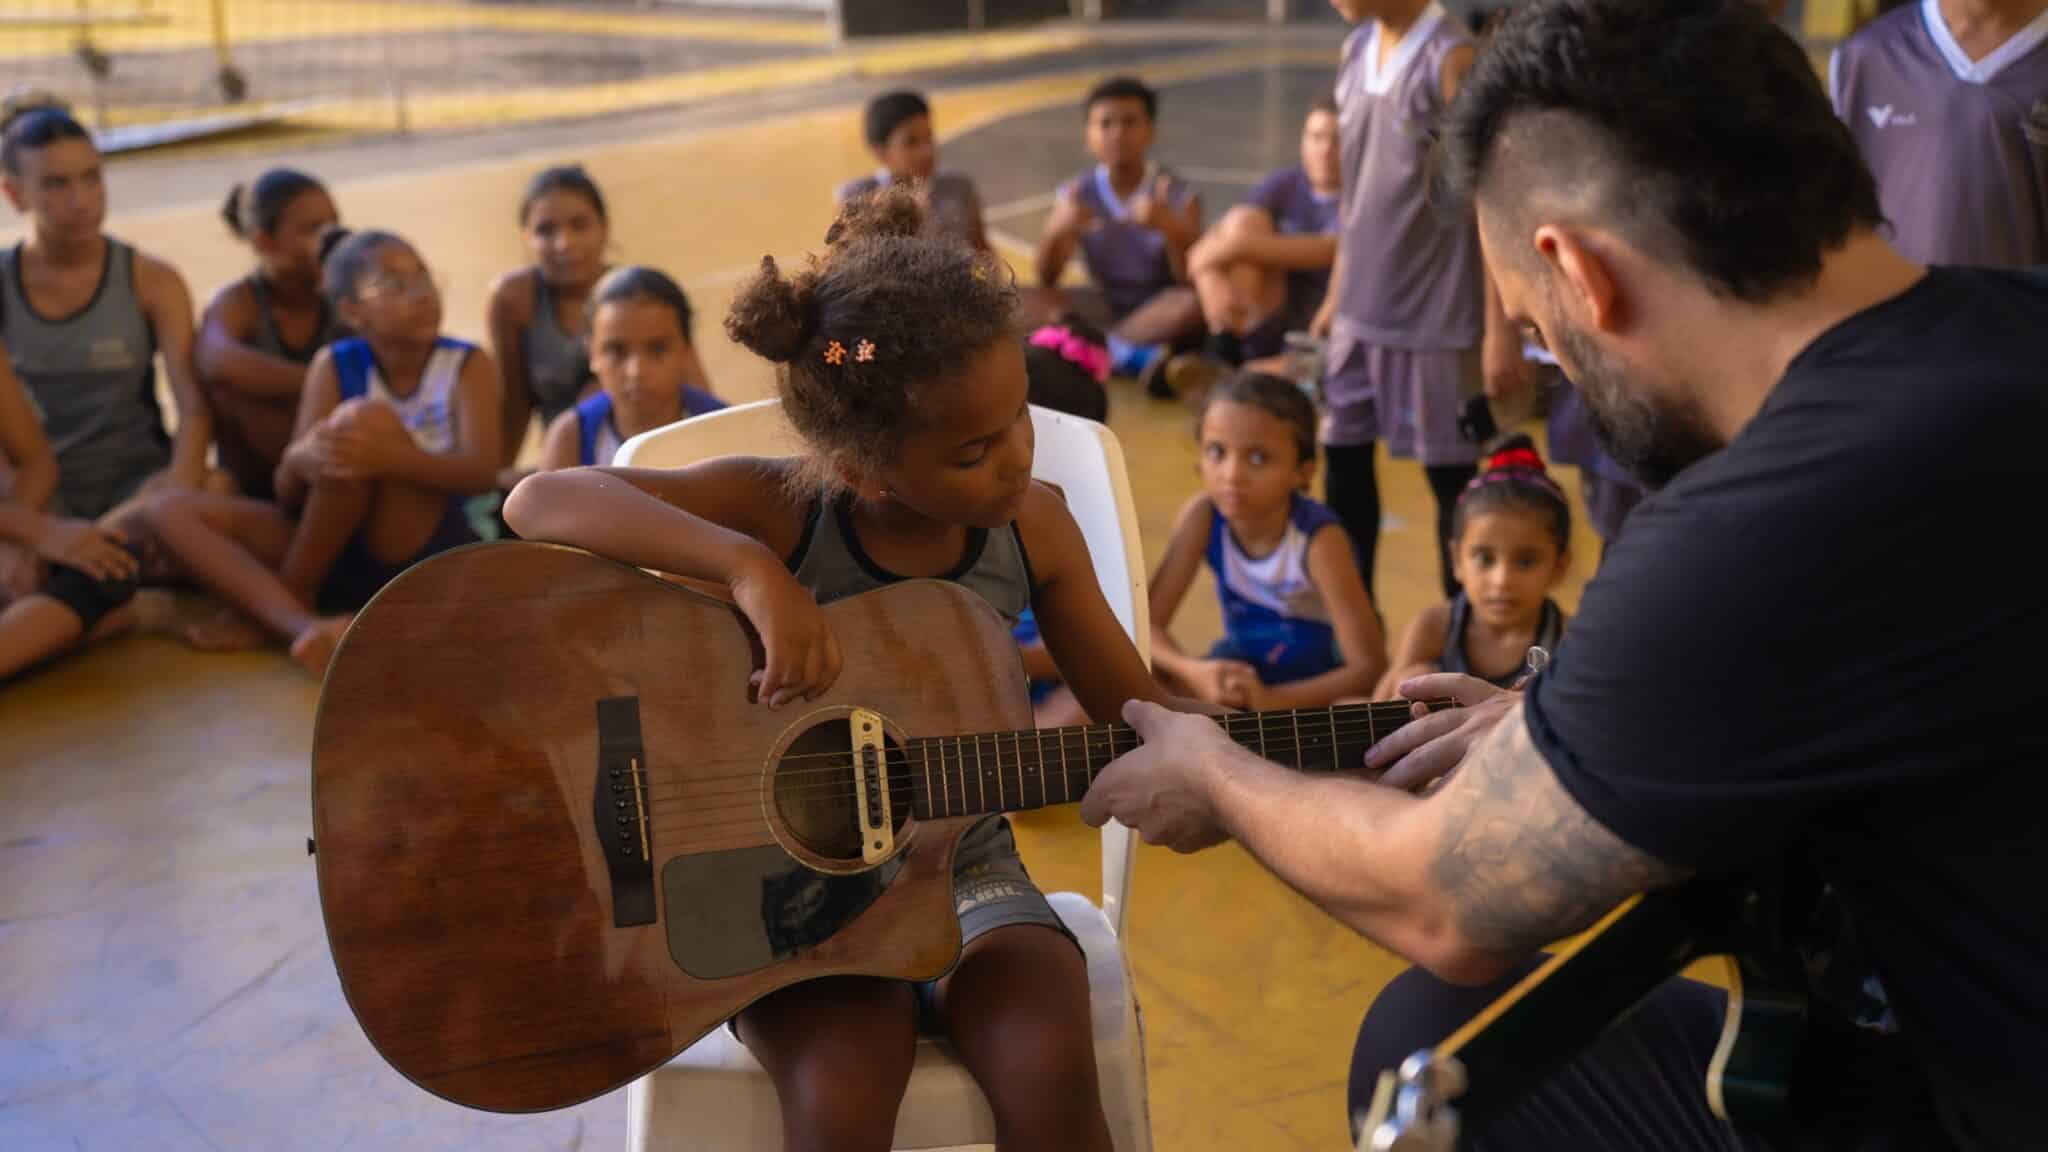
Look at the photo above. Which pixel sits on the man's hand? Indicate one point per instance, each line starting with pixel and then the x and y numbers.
pixel 1167 788
pixel 1433 743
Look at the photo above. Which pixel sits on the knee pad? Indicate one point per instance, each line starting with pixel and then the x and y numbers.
pixel 89 599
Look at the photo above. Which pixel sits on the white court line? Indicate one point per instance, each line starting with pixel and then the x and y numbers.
pixel 1024 207
pixel 1245 176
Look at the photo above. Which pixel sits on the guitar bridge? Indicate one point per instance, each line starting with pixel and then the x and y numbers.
pixel 871 786
pixel 619 809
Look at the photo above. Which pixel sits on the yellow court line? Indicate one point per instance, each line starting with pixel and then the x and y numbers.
pixel 178 25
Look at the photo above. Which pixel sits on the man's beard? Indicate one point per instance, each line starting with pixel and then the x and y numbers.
pixel 1653 441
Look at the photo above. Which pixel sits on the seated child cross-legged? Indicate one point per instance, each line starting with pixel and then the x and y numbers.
pixel 900 368
pixel 1299 629
pixel 898 127
pixel 1509 535
pixel 645 364
pixel 395 428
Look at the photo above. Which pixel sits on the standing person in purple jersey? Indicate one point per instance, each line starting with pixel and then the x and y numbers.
pixel 1948 100
pixel 1412 328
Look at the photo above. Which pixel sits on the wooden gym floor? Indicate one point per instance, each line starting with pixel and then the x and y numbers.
pixel 164 980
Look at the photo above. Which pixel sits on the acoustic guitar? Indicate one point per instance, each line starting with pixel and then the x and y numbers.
pixel 558 843
pixel 1444 1096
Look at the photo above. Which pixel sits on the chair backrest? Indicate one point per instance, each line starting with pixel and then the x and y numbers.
pixel 1082 458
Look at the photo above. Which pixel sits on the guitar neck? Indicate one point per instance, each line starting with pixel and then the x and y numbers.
pixel 1017 771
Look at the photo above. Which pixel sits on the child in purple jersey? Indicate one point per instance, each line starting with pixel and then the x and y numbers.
pixel 898 127
pixel 1264 269
pixel 1413 328
pixel 1948 102
pixel 1133 222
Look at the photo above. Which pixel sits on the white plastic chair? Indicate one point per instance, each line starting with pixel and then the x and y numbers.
pixel 715 1096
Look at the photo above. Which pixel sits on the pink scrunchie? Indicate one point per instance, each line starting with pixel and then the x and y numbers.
pixel 1090 358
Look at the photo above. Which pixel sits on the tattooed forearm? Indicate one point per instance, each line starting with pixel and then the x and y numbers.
pixel 1520 863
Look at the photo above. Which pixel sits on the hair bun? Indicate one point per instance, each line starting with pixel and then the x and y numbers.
pixel 894 210
pixel 1513 452
pixel 771 314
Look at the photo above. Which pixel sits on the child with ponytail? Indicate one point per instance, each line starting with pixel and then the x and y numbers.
pixel 1510 531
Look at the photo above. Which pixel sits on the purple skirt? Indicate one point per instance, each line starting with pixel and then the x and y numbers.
pixel 1407 397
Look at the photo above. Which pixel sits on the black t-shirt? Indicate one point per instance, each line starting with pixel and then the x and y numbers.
pixel 1833 634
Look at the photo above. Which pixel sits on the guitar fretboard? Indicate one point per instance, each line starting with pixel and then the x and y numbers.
pixel 1016 771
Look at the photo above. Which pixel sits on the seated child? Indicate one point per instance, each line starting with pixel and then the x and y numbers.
pixel 899 131
pixel 1298 628
pixel 34 538
pixel 1263 270
pixel 260 332
pixel 1133 222
pixel 396 427
pixel 645 363
pixel 1509 534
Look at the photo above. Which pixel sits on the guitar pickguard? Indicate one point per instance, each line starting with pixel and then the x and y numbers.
pixel 739 911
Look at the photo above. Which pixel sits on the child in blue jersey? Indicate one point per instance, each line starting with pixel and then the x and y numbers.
pixel 396 427
pixel 645 363
pixel 1509 535
pixel 1298 627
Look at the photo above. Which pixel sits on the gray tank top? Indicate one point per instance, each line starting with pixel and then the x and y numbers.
pixel 269 340
pixel 556 362
pixel 831 563
pixel 1411 270
pixel 92 379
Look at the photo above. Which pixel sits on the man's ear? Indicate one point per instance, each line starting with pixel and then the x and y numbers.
pixel 1587 290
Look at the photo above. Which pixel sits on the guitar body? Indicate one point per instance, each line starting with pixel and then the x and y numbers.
pixel 558 843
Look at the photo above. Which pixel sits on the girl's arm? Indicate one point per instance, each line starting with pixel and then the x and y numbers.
pixel 472 466
pixel 1333 569
pixel 1095 658
pixel 509 312
pixel 1170 583
pixel 562 446
pixel 1421 650
pixel 725 520
pixel 168 305
pixel 304 457
pixel 223 354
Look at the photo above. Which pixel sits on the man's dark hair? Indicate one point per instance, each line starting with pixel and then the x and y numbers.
pixel 1124 88
pixel 887 112
pixel 1696 128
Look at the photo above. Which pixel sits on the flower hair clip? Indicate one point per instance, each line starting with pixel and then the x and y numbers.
pixel 835 353
pixel 865 352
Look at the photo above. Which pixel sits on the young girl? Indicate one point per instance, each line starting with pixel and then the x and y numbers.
pixel 536 314
pixel 395 427
pixel 1508 538
pixel 85 321
pixel 1298 627
pixel 260 332
pixel 642 355
pixel 901 371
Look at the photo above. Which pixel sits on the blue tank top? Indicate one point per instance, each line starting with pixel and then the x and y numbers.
pixel 598 437
pixel 1273 617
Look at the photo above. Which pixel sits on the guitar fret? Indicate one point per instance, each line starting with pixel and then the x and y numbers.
pixel 1017 741
pixel 1330 714
pixel 925 748
pixel 1294 718
pixel 1066 781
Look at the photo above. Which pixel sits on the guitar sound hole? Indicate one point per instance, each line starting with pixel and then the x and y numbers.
pixel 814 791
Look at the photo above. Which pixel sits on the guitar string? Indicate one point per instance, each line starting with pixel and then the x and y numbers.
pixel 1277 731
pixel 904 772
pixel 902 763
